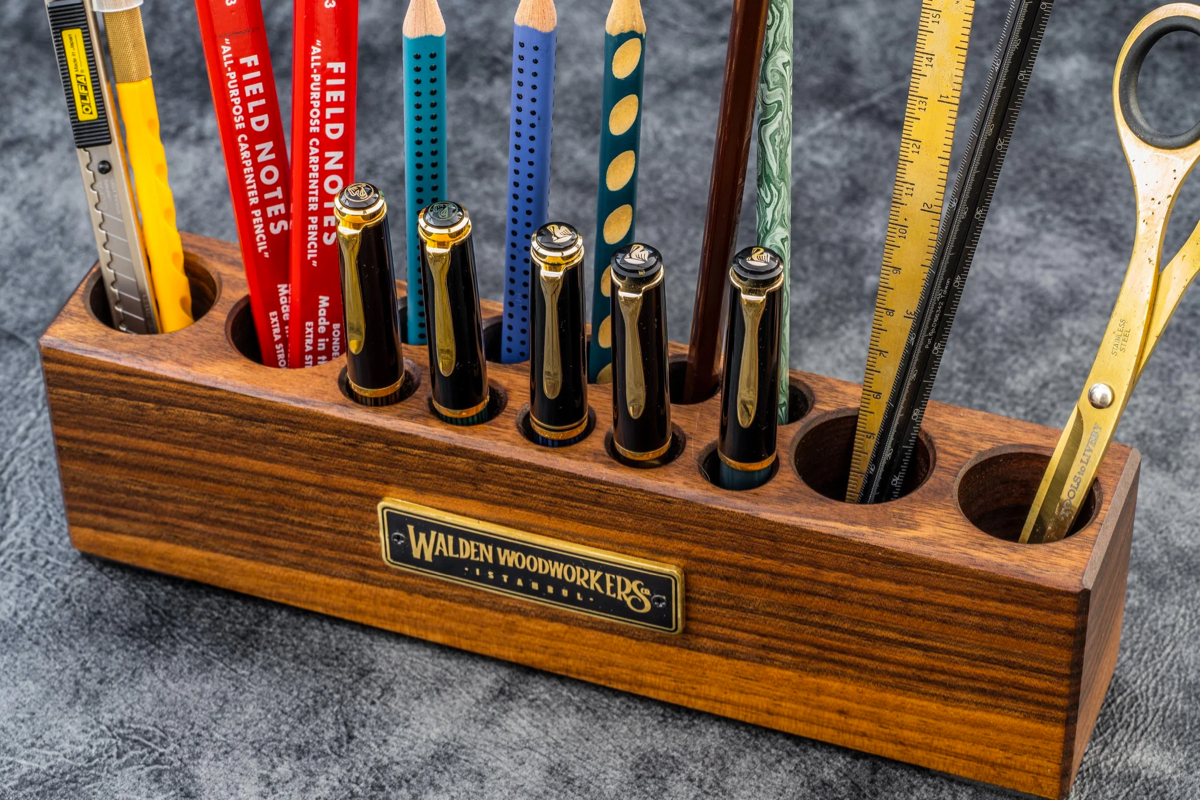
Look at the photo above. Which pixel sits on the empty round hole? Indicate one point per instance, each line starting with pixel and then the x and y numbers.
pixel 402 316
pixel 203 285
pixel 497 400
pixel 678 443
pixel 241 331
pixel 800 400
pixel 996 490
pixel 526 429
pixel 493 328
pixel 710 467
pixel 825 450
pixel 409 384
pixel 676 372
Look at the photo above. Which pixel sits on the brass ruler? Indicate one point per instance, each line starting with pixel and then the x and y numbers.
pixel 920 190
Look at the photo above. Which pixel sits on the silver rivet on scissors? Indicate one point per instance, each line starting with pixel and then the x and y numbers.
pixel 1100 395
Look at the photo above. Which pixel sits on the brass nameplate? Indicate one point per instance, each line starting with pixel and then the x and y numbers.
pixel 518 564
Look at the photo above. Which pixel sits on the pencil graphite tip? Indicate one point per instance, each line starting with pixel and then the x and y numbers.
pixel 537 14
pixel 424 18
pixel 625 16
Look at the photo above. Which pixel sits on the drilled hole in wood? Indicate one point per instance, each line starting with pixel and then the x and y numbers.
pixel 493 328
pixel 822 458
pixel 200 280
pixel 676 373
pixel 402 316
pixel 240 330
pixel 996 491
pixel 800 400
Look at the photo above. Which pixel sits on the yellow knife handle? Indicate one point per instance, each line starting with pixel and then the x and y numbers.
pixel 148 160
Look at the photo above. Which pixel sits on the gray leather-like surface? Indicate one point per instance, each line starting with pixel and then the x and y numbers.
pixel 120 683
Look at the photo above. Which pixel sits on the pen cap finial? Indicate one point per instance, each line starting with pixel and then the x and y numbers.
pixel 637 265
pixel 758 265
pixel 557 244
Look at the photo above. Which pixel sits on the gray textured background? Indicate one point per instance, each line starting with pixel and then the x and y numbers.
pixel 119 683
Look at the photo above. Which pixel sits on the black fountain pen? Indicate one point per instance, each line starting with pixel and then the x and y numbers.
pixel 641 431
pixel 454 325
pixel 374 359
pixel 558 397
pixel 750 379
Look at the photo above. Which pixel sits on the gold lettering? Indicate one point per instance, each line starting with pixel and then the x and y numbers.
pixel 639 601
pixel 487 552
pixel 623 587
pixel 422 544
pixel 608 590
pixel 594 576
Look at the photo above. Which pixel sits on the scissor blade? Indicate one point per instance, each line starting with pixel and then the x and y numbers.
pixel 1044 516
pixel 1113 375
pixel 1172 283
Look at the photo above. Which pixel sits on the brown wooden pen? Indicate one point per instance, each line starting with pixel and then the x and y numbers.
pixel 734 123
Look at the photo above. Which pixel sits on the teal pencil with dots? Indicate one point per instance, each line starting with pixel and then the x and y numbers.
pixel 620 154
pixel 424 139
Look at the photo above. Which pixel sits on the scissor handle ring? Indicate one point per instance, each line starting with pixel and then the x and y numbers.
pixel 1127 87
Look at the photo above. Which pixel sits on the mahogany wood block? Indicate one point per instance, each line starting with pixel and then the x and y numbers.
pixel 916 629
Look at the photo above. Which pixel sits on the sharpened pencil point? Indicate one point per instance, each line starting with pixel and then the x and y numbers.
pixel 537 14
pixel 625 16
pixel 424 18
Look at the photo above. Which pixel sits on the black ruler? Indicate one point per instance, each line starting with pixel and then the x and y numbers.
pixel 961 228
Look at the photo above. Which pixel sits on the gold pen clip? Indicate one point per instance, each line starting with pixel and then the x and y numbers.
pixel 635 376
pixel 747 393
pixel 753 300
pixel 349 240
pixel 439 266
pixel 552 283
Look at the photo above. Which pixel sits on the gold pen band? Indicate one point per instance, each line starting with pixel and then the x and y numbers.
pixel 766 462
pixel 363 391
pixel 558 433
pixel 463 413
pixel 650 456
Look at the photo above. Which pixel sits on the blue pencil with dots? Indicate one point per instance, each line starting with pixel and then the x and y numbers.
pixel 424 139
pixel 534 39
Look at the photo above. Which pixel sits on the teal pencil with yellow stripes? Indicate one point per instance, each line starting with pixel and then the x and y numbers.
pixel 424 139
pixel 620 154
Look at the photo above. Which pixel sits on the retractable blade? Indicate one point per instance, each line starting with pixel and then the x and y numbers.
pixel 97 137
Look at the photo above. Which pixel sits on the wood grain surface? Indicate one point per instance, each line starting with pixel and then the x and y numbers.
pixel 898 629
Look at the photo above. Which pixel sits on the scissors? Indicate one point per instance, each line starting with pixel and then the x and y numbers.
pixel 1160 163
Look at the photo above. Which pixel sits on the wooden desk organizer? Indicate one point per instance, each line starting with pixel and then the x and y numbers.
pixel 899 629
